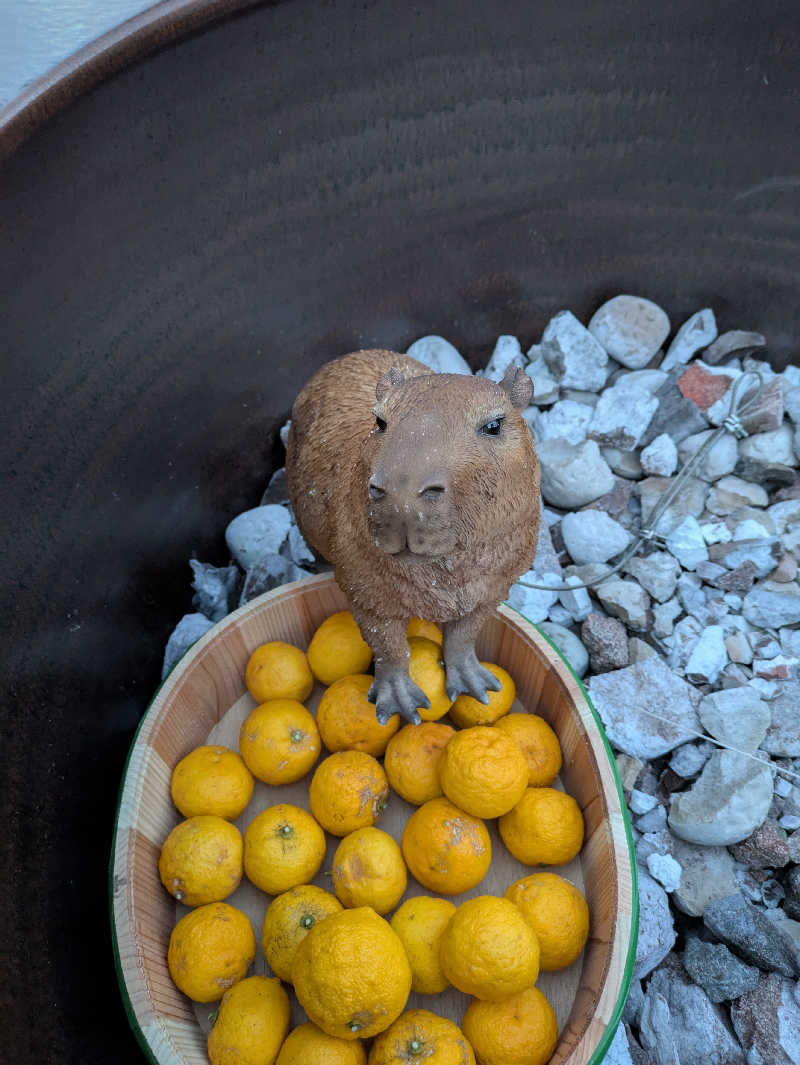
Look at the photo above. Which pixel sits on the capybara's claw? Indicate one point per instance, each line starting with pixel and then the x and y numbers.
pixel 394 692
pixel 467 675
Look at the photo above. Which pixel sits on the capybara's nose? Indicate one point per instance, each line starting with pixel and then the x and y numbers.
pixel 433 486
pixel 376 489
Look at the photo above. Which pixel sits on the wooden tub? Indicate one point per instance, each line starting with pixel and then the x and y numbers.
pixel 204 699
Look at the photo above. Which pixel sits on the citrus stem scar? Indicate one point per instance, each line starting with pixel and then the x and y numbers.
pixel 286 830
pixel 295 735
pixel 415 1046
pixel 306 920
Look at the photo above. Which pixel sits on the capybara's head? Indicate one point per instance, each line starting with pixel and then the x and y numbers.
pixel 449 461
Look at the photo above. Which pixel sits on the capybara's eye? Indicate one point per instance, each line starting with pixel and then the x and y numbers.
pixel 380 424
pixel 492 428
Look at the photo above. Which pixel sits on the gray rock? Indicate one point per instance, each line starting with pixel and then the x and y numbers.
pixel 641 802
pixel 708 657
pixel 791 401
pixel 656 928
pixel 767 1021
pixel 625 600
pixel 788 926
pixel 623 463
pixel 284 433
pixel 628 770
pixel 591 536
pixel 560 616
pixel 188 631
pixel 257 532
pixel 749 933
pixel 771 605
pixel 762 410
pixel 692 595
pixel 618 1052
pixel 761 554
pixel 695 334
pixel 618 503
pixel 506 352
pixel 299 551
pixel 664 869
pixel 573 475
pixel 215 589
pixel 277 491
pixel 606 641
pixel 534 603
pixel 654 821
pixel 565 420
pixel 737 717
pixel 710 571
pixel 660 458
pixel 627 700
pixel 745 492
pixel 546 557
pixel 657 573
pixel 792 904
pixel 681 1026
pixel 664 615
pixel 783 734
pixel 707 873
pixel 719 460
pixel 568 644
pixel 577 600
pixel 573 356
pixel 687 544
pixel 683 641
pixel 621 416
pixel 715 532
pixel 689 501
pixel 774 446
pixel 438 355
pixel 545 386
pixel 639 651
pixel 739 581
pixel 688 760
pixel 270 571
pixel 650 379
pixel 631 329
pixel 721 974
pixel 677 416
pixel 727 802
pixel 737 340
pixel 750 529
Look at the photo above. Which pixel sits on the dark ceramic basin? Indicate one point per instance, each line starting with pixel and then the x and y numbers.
pixel 198 212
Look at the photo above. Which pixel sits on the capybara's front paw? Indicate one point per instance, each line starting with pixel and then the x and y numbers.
pixel 394 692
pixel 466 675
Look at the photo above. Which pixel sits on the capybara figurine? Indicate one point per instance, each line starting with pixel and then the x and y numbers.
pixel 422 490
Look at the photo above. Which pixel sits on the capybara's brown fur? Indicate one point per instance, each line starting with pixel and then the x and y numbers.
pixel 422 490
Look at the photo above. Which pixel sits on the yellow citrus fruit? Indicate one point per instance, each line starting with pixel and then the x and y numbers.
pixel 278 670
pixel 309 1045
pixel 201 860
pixel 421 1036
pixel 210 949
pixel 368 870
pixel 347 721
pixel 426 669
pixel 488 949
pixel 544 828
pixel 467 711
pixel 211 780
pixel 338 649
pixel 349 790
pixel 420 922
pixel 426 629
pixel 252 1023
pixel 521 1030
pixel 351 974
pixel 279 741
pixel 539 745
pixel 412 760
pixel 558 914
pixel 446 849
pixel 287 922
pixel 283 847
pixel 483 771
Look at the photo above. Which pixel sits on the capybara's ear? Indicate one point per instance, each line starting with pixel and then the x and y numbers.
pixel 518 385
pixel 388 382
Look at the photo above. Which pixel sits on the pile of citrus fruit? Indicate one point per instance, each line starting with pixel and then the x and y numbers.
pixel 354 953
